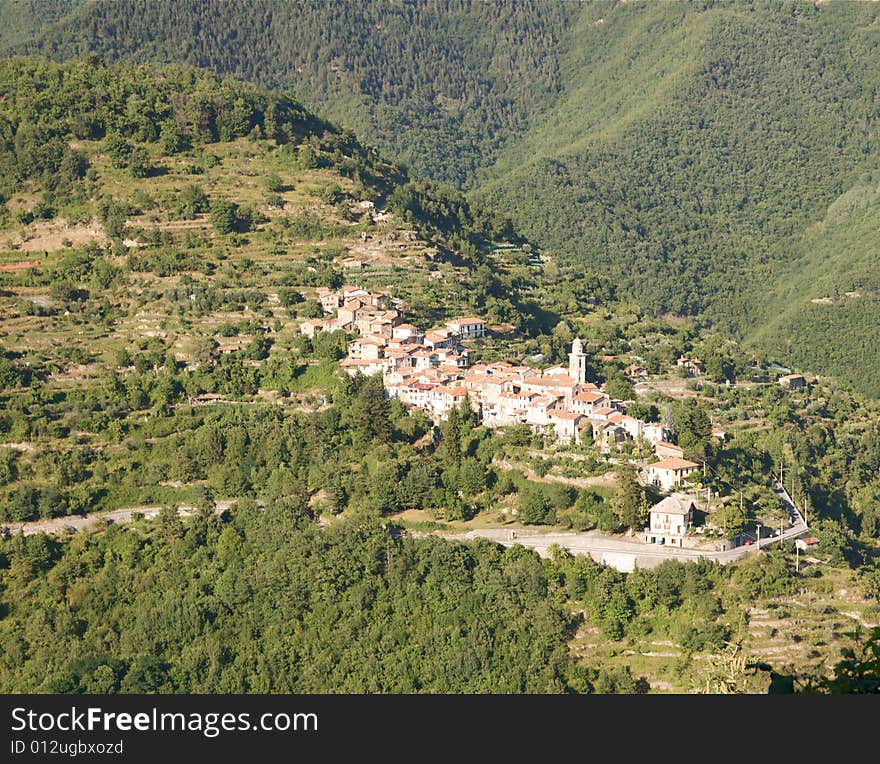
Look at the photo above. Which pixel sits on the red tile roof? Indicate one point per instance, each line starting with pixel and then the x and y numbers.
pixel 673 463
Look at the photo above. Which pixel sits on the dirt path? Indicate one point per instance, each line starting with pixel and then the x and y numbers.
pixel 606 480
pixel 73 523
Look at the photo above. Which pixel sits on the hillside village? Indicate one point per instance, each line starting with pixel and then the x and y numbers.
pixel 430 369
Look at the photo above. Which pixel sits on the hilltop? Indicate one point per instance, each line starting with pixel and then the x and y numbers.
pixel 164 233
pixel 698 155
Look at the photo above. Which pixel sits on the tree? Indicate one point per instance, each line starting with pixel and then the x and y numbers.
pixel 312 309
pixel 273 184
pixel 647 412
pixel 472 477
pixel 450 450
pixel 193 200
pixel 223 215
pixel 170 524
pixel 371 410
pixel 172 139
pixel 138 162
pixel 630 503
pixel 535 507
pixel 383 488
pixel 730 518
pixel 418 485
pixel 619 388
pixel 692 426
pixel 720 368
pixel 203 500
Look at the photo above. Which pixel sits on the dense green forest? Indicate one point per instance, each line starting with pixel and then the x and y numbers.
pixel 443 85
pixel 686 151
pixel 262 601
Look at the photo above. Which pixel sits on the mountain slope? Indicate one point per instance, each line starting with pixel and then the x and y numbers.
pixel 829 300
pixel 690 188
pixel 441 85
pixel 685 151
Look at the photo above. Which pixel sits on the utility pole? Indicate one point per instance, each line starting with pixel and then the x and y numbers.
pixel 797 558
pixel 758 542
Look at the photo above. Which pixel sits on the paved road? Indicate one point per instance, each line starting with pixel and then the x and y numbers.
pixel 623 554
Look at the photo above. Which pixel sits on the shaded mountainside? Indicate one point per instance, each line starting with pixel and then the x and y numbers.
pixel 685 151
pixel 25 19
pixel 441 85
pixel 829 300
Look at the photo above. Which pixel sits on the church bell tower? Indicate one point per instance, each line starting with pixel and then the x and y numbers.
pixel 577 362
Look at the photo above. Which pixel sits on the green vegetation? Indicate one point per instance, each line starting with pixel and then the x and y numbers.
pixel 716 159
pixel 163 239
pixel 263 601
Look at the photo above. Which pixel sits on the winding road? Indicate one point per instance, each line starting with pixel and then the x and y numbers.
pixel 623 554
pixel 627 554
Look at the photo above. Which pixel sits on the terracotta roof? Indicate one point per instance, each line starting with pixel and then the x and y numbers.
pixel 673 463
pixel 564 415
pixel 589 397
pixel 466 320
pixel 458 392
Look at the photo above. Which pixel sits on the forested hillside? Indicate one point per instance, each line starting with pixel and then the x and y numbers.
pixel 685 150
pixel 165 237
pixel 441 85
pixel 696 148
pixel 25 19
